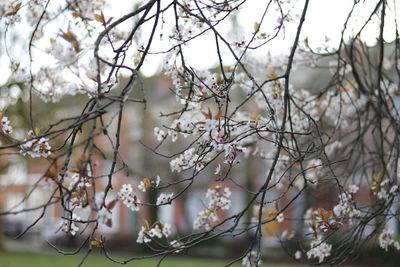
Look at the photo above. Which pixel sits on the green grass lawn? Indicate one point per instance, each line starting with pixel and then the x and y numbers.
pixel 29 259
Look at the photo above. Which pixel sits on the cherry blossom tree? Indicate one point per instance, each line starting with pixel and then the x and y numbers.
pixel 318 122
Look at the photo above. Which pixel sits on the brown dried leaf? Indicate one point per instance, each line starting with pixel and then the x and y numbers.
pixel 111 204
pixel 77 15
pixel 14 10
pixel 10 13
pixel 207 114
pixel 100 18
pixel 17 7
pixel 109 223
pixel 80 162
pixel 52 172
pixel 147 225
pixel 219 115
pixel 218 79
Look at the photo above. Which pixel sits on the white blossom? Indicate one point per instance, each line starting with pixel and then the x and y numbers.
pixel 297 255
pixel 320 250
pixel 143 236
pixel 129 199
pixel 251 259
pixel 346 207
pixel 386 241
pixel 160 134
pixel 164 199
pixel 36 147
pixel 280 218
pixel 158 230
pixel 69 226
pixel 218 199
pixel 353 189
pixel 5 126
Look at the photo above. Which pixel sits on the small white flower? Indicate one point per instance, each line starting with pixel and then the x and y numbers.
pixel 125 190
pixel 297 255
pixel 143 236
pixel 142 186
pixel 5 126
pixel 218 170
pixel 393 190
pixel 382 194
pixel 166 231
pixel 155 232
pixel 353 189
pixel 280 218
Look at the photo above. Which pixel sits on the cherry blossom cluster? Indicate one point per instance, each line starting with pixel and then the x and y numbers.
pixel 218 199
pixel 159 134
pixel 383 189
pixel 252 259
pixel 163 199
pixel 5 126
pixel 158 230
pixel 129 199
pixel 386 240
pixel 69 226
pixel 78 185
pixel 346 208
pixel 319 249
pixel 35 147
pixel 185 161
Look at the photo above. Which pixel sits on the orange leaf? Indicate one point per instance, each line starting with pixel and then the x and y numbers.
pixel 147 183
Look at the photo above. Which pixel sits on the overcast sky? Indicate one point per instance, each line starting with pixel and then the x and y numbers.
pixel 325 18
